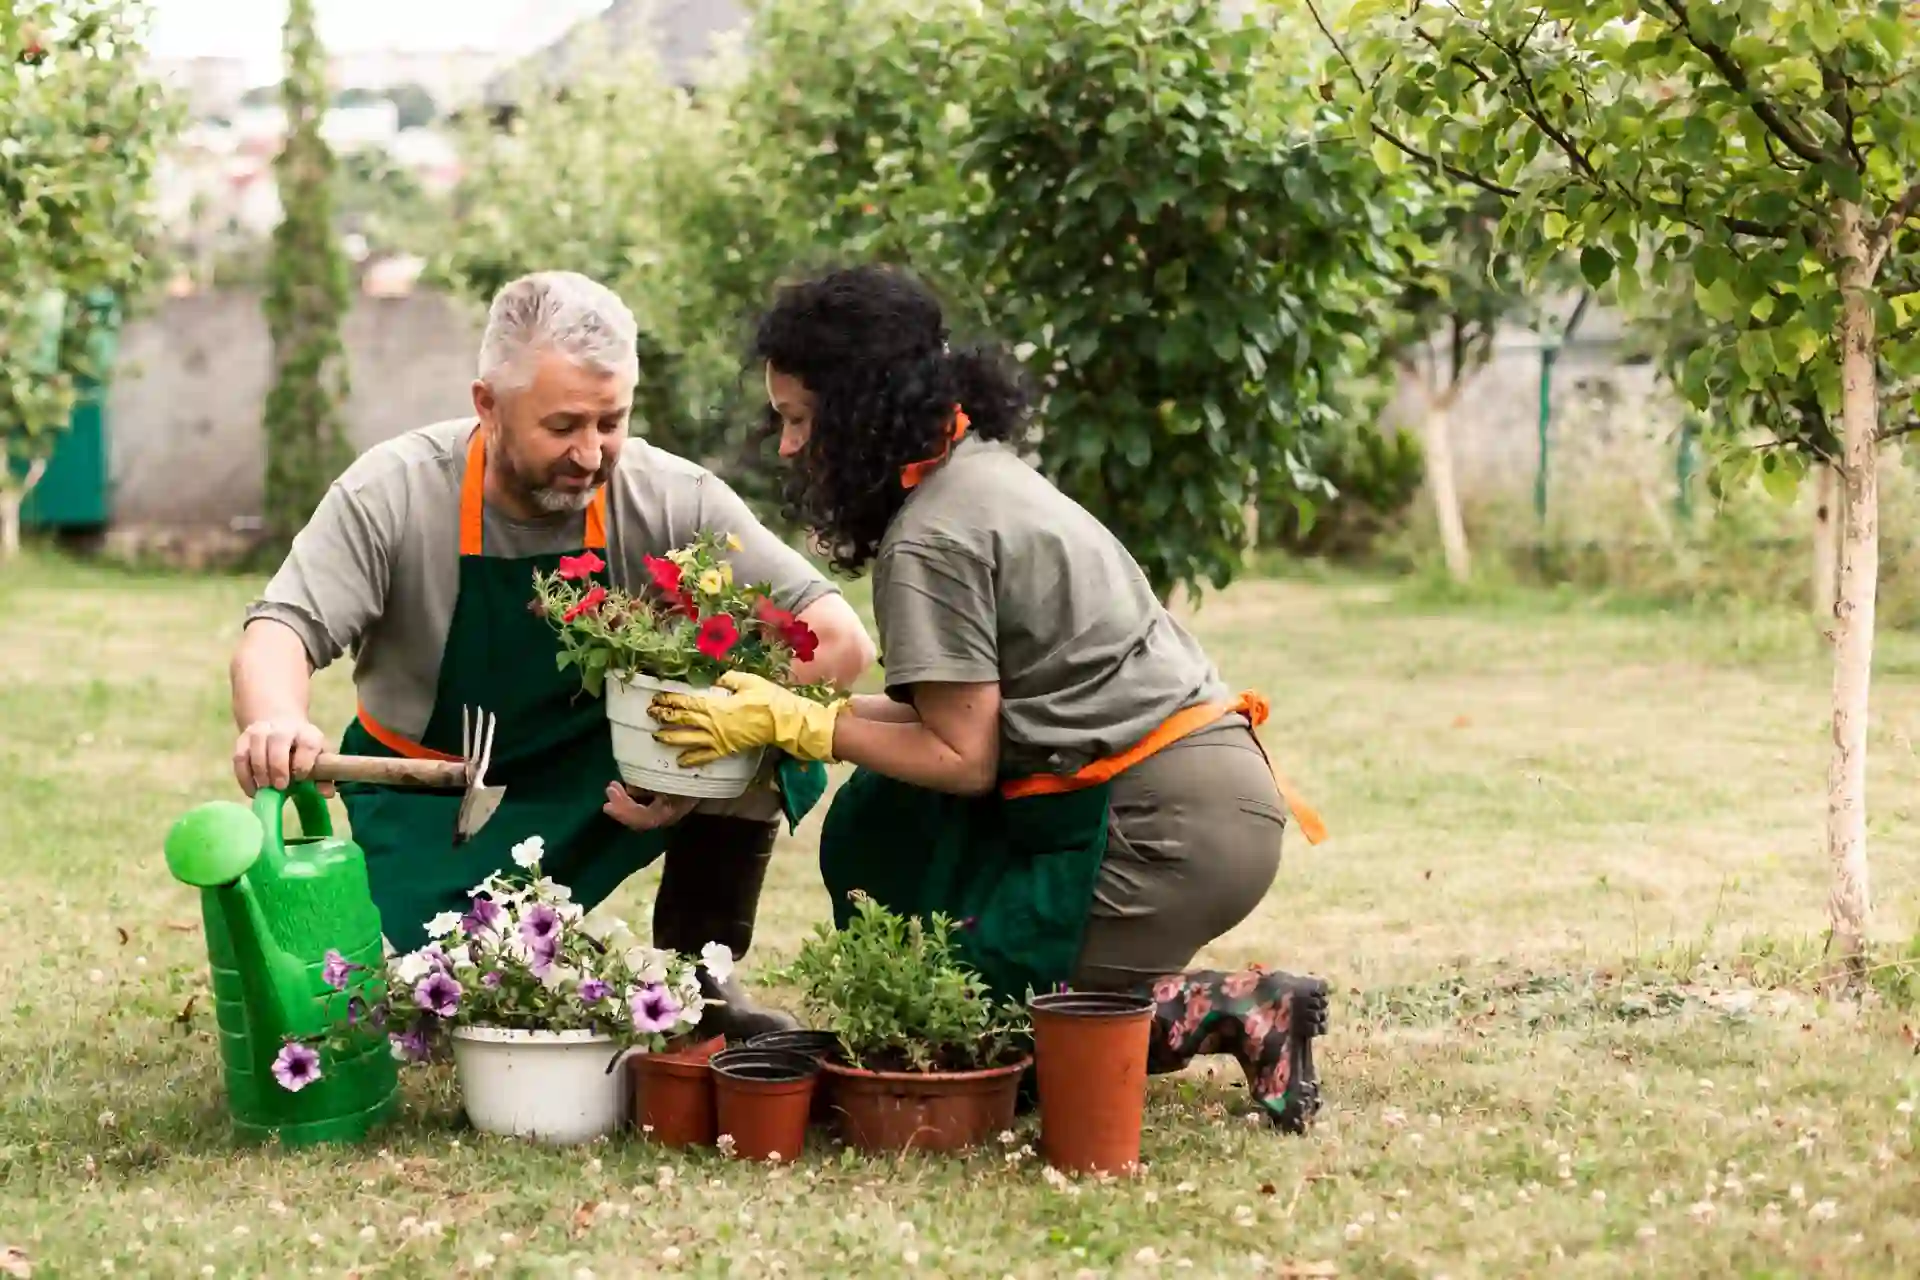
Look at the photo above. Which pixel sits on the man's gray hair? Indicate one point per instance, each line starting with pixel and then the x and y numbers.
pixel 561 311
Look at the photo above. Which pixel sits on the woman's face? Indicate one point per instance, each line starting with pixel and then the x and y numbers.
pixel 794 403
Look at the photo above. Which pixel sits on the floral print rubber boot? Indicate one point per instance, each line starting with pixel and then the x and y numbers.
pixel 1265 1018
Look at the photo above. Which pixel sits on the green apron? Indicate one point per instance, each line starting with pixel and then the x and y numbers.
pixel 552 751
pixel 1019 873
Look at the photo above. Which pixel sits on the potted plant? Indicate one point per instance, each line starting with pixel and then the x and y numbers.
pixel 538 1005
pixel 928 1060
pixel 689 624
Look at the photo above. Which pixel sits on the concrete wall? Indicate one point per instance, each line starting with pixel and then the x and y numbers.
pixel 186 403
pixel 185 407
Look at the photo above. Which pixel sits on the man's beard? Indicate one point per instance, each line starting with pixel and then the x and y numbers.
pixel 548 497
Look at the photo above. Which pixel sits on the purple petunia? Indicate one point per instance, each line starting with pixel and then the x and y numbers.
pixel 484 915
pixel 593 991
pixel 540 927
pixel 296 1066
pixel 439 994
pixel 337 970
pixel 654 1008
pixel 411 1046
pixel 491 979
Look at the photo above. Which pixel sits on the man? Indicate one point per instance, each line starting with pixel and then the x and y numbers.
pixel 420 561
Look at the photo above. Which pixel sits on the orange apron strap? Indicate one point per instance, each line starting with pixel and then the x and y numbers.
pixel 473 503
pixel 1177 726
pixel 395 743
pixel 914 472
pixel 597 520
pixel 473 495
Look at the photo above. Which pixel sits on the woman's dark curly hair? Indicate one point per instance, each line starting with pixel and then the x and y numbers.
pixel 871 344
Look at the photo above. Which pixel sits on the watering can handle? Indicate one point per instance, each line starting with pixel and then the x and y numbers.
pixel 269 804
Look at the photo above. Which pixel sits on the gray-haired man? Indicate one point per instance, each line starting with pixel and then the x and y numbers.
pixel 420 561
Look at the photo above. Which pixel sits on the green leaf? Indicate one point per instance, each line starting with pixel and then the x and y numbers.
pixel 1389 157
pixel 1596 265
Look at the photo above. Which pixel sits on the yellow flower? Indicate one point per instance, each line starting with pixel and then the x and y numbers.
pixel 733 542
pixel 710 583
pixel 726 573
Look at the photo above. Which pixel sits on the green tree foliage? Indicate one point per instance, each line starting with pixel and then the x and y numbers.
pixel 1766 154
pixel 307 297
pixel 80 131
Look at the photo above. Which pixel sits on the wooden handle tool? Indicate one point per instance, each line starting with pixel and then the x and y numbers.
pixel 397 771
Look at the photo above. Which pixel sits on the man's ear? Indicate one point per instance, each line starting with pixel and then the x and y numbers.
pixel 484 404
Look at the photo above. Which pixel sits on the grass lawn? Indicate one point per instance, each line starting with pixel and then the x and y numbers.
pixel 1573 883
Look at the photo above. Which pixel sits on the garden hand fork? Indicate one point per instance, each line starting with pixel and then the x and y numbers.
pixel 477 801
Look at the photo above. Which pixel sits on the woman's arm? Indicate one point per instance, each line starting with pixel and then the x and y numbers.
pixel 877 706
pixel 953 746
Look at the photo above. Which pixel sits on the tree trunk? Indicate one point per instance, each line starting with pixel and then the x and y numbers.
pixel 1826 539
pixel 12 498
pixel 1446 498
pixel 1849 901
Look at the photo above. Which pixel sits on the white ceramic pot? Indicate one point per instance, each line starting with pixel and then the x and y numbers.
pixel 654 766
pixel 553 1086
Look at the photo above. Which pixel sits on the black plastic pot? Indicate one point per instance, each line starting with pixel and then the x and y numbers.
pixel 821 1046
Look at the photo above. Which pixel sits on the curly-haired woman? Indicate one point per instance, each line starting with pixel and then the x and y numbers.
pixel 1056 760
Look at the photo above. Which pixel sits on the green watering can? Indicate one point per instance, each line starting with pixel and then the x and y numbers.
pixel 273 908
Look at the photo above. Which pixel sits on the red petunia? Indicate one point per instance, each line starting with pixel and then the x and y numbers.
pixel 665 574
pixel 772 614
pixel 683 601
pixel 800 638
pixel 584 565
pixel 718 635
pixel 588 603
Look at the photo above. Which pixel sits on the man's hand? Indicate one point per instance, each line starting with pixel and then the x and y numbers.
pixel 759 714
pixel 625 808
pixel 272 753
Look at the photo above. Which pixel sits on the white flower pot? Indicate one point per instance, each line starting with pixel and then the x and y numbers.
pixel 654 766
pixel 553 1086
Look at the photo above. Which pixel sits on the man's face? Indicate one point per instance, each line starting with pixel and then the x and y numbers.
pixel 557 440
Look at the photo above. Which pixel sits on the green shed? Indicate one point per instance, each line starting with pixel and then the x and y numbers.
pixel 75 492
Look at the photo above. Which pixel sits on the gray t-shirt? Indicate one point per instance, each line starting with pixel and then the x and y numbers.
pixel 990 573
pixel 377 569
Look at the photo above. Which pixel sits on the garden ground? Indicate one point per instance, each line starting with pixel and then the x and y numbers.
pixel 1573 889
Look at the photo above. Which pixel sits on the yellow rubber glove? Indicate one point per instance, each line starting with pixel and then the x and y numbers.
pixel 759 714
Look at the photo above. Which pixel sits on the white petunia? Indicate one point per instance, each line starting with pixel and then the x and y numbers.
pixel 559 976
pixel 718 959
pixel 412 967
pixel 529 852
pixel 444 924
pixel 461 957
pixel 648 964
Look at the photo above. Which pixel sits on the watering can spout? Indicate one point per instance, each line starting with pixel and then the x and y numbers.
pixel 219 847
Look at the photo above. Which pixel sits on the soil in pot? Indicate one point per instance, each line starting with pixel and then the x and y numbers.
pixel 762 1098
pixel 1090 1060
pixel 822 1046
pixel 673 1094
pixel 923 1110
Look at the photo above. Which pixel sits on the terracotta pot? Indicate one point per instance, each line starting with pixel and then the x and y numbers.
pixel 673 1094
pixel 822 1046
pixel 923 1110
pixel 1090 1060
pixel 761 1098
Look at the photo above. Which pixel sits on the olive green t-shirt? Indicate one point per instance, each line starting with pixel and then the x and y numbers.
pixel 990 573
pixel 376 571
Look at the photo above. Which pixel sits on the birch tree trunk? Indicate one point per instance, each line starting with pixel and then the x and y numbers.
pixel 1446 498
pixel 1826 540
pixel 1849 900
pixel 13 496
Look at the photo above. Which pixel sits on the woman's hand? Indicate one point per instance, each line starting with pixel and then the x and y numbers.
pixel 759 714
pixel 658 811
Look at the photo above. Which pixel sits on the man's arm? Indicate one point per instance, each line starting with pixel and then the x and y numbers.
pixel 331 585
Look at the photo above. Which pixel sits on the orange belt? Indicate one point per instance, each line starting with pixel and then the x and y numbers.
pixel 1174 728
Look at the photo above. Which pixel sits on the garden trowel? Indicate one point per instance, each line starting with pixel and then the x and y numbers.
pixel 469 772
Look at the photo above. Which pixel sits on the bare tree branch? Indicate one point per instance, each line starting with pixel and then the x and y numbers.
pixel 1736 77
pixel 1836 84
pixel 1452 171
pixel 1334 40
pixel 1889 227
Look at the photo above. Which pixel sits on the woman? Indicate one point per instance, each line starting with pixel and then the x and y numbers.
pixel 1056 760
